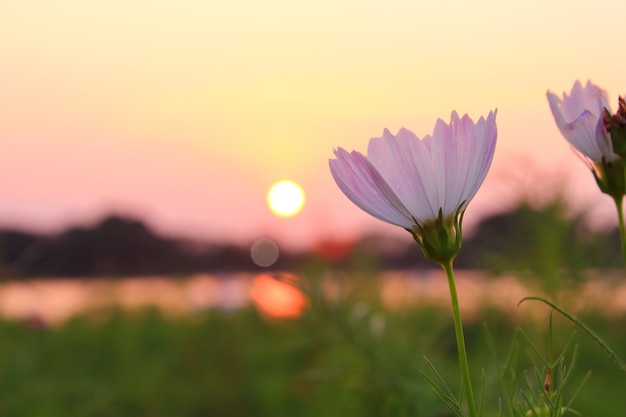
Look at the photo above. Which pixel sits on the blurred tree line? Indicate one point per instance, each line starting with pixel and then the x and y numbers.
pixel 544 241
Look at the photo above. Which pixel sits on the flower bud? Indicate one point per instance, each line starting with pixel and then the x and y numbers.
pixel 616 126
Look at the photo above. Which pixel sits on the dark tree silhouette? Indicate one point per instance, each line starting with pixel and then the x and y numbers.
pixel 541 241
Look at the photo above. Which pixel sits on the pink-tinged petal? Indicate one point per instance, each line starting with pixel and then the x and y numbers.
pixel 421 153
pixel 459 163
pixel 441 146
pixel 603 140
pixel 418 151
pixel 365 187
pixel 481 155
pixel 581 134
pixel 391 156
pixel 405 180
pixel 555 107
pixel 467 151
pixel 579 119
pixel 590 98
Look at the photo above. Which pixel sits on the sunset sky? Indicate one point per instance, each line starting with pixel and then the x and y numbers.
pixel 184 113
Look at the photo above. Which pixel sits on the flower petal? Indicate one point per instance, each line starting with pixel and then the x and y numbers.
pixel 405 180
pixel 581 134
pixel 579 119
pixel 392 157
pixel 481 155
pixel 365 187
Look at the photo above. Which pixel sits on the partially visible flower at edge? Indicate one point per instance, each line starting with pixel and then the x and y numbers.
pixel 582 119
pixel 579 118
pixel 423 185
pixel 585 120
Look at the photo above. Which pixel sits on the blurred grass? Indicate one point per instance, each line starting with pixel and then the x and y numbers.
pixel 345 356
pixel 351 360
pixel 220 364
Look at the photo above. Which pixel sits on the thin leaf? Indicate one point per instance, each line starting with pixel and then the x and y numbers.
pixel 585 328
pixel 450 402
pixel 580 386
pixel 482 392
pixel 546 363
pixel 443 391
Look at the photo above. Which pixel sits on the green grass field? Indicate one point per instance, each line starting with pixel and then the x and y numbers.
pixel 344 358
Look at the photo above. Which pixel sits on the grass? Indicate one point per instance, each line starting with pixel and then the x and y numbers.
pixel 346 358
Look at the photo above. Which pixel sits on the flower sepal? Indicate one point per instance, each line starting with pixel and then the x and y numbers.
pixel 609 176
pixel 441 238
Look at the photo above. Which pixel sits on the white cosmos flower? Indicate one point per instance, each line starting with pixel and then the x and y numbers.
pixel 408 181
pixel 579 118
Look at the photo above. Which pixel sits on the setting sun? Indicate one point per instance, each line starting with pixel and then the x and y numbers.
pixel 285 198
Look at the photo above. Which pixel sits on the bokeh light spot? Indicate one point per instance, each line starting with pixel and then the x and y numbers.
pixel 285 198
pixel 264 252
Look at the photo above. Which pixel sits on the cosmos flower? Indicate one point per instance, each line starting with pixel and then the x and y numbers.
pixel 579 117
pixel 423 185
pixel 584 119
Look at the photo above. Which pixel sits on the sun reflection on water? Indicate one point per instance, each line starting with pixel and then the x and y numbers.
pixel 275 298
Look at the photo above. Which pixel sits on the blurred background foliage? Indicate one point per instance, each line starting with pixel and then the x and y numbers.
pixel 546 246
pixel 346 355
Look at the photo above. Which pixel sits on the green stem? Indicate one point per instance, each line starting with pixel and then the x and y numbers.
pixel 460 340
pixel 620 217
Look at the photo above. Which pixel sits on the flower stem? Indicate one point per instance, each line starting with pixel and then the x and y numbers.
pixel 460 340
pixel 622 230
